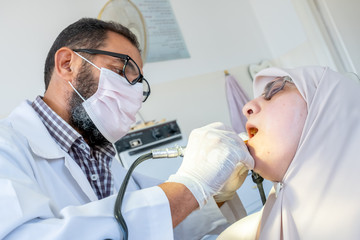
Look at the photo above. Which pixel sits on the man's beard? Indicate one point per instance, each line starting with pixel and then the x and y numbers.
pixel 86 85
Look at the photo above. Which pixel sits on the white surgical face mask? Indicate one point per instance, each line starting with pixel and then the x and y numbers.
pixel 114 105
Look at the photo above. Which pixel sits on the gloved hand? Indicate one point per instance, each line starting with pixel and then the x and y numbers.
pixel 236 179
pixel 234 182
pixel 212 154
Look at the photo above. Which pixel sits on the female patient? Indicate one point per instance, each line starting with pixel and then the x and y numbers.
pixel 304 133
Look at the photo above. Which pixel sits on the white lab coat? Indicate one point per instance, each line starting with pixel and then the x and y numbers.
pixel 45 195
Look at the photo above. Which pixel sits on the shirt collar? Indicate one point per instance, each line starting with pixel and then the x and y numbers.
pixel 61 131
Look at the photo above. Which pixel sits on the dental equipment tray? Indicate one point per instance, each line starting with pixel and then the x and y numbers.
pixel 149 137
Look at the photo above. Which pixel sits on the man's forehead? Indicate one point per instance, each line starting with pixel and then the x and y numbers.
pixel 118 43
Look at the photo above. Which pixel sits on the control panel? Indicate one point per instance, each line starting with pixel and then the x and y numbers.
pixel 149 136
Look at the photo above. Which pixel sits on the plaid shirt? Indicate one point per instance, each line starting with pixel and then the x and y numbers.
pixel 95 162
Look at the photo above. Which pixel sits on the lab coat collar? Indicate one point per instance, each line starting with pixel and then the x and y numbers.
pixel 25 120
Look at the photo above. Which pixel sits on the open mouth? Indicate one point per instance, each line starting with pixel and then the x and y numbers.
pixel 252 131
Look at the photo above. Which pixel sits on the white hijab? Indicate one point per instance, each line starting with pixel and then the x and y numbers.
pixel 320 194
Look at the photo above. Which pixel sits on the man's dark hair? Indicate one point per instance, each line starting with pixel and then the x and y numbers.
pixel 85 33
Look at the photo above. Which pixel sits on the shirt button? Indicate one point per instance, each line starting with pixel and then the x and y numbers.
pixel 94 177
pixel 82 146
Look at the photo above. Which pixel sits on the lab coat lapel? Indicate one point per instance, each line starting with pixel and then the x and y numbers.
pixel 25 120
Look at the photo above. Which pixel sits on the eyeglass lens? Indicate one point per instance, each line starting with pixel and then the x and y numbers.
pixel 273 87
pixel 133 75
pixel 132 72
pixel 146 89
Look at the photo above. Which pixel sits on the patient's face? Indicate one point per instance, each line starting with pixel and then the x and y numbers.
pixel 275 128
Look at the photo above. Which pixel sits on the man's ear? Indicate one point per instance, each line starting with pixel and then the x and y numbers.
pixel 66 64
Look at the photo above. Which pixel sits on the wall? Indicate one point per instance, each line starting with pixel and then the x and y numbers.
pixel 28 29
pixel 292 33
pixel 195 101
pixel 218 34
pixel 342 30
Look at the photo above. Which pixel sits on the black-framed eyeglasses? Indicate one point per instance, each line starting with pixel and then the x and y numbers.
pixel 275 86
pixel 127 69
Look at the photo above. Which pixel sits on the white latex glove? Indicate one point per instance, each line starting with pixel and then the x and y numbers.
pixel 212 154
pixel 236 179
pixel 234 182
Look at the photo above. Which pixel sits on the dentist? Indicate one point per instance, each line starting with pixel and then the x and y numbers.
pixel 58 175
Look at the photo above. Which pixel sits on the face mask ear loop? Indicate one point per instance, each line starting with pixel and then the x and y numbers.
pixel 87 60
pixel 76 91
pixel 70 82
